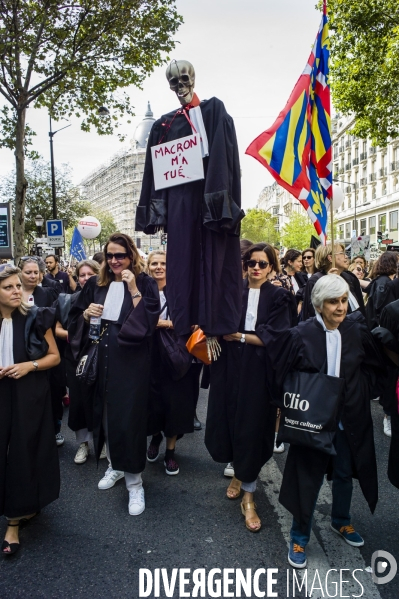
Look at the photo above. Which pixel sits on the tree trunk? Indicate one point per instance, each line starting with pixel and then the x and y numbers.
pixel 21 186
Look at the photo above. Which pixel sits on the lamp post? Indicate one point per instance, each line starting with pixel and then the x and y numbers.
pixel 53 191
pixel 39 221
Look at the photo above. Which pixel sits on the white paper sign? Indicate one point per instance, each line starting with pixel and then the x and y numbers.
pixel 177 162
pixel 360 246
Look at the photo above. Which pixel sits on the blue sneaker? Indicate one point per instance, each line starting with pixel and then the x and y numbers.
pixel 349 534
pixel 296 556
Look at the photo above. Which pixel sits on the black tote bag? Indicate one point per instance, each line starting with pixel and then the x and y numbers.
pixel 309 416
pixel 173 350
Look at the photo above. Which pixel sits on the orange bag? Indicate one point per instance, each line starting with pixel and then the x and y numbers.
pixel 196 346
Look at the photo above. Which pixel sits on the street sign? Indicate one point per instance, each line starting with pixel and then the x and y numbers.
pixel 54 228
pixel 6 241
pixel 57 242
pixel 387 241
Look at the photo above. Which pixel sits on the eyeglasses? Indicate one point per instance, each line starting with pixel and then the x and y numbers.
pixel 359 269
pixel 252 263
pixel 308 257
pixel 117 256
pixel 30 259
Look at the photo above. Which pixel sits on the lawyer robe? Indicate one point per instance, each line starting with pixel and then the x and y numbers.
pixel 202 220
pixel 362 367
pixel 241 417
pixel 124 370
pixel 29 467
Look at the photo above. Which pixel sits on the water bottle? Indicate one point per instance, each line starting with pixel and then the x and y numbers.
pixel 95 328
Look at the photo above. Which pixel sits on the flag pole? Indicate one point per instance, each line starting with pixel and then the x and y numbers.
pixel 332 230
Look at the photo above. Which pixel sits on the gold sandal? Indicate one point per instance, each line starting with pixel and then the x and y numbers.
pixel 234 489
pixel 250 505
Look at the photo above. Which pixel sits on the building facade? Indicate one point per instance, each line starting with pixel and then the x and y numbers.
pixel 369 177
pixel 116 185
pixel 279 203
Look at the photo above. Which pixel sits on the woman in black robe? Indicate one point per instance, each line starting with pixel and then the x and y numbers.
pixel 241 418
pixel 29 469
pixel 127 300
pixel 172 402
pixel 360 364
pixel 80 415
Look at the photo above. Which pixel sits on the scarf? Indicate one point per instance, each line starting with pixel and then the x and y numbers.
pixel 113 302
pixel 6 343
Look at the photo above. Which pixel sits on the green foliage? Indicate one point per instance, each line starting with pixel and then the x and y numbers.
pixel 73 57
pixel 365 65
pixel 296 234
pixel 259 225
pixel 39 196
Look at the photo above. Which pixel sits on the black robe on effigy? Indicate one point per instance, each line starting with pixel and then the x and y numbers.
pixel 29 467
pixel 202 220
pixel 241 418
pixel 124 370
pixel 362 367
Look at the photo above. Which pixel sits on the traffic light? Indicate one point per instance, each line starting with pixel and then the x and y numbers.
pixel 379 236
pixel 164 238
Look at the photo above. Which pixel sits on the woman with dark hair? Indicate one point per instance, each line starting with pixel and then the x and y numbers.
pixel 379 289
pixel 308 261
pixel 292 262
pixel 241 417
pixel 276 275
pixel 80 416
pixel 127 300
pixel 172 402
pixel 29 468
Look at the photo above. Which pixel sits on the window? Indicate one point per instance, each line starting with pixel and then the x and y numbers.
pixel 348 231
pixel 393 221
pixel 374 193
pixel 341 231
pixel 372 225
pixel 275 210
pixel 382 222
pixel 363 226
pixel 349 202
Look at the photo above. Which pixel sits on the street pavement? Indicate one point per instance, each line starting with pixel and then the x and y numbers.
pixel 85 545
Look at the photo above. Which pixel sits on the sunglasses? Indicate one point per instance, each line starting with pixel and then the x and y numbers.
pixel 308 257
pixel 252 263
pixel 359 269
pixel 117 256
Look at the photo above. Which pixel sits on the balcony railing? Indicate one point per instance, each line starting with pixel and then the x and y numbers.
pixel 363 181
pixel 383 171
pixel 395 166
pixel 363 156
pixel 355 161
pixel 373 177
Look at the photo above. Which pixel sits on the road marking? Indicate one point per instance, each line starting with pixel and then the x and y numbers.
pixel 335 554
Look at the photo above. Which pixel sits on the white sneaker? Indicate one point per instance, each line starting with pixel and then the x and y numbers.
pixel 387 426
pixel 81 454
pixel 136 501
pixel 280 448
pixel 59 439
pixel 110 478
pixel 229 470
pixel 103 453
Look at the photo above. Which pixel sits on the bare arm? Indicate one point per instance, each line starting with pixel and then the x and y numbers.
pixel 60 332
pixel 250 338
pixel 51 359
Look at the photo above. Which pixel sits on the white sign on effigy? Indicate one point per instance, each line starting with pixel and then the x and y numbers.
pixel 177 162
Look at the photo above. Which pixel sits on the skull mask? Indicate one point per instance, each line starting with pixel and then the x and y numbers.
pixel 181 77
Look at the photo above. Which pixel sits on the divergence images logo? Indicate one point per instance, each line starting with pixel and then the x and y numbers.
pixel 379 567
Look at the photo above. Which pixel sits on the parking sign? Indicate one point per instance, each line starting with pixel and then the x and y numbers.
pixel 54 228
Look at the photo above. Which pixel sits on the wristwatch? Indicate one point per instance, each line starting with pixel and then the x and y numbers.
pixel 137 294
pixel 242 338
pixel 35 365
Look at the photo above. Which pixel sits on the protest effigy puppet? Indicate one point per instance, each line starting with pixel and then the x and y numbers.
pixel 191 190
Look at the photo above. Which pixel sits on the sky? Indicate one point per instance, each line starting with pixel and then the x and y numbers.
pixel 247 53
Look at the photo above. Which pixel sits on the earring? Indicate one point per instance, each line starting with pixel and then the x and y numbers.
pixel 110 270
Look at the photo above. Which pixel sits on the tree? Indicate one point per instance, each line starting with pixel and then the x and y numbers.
pixel 73 57
pixel 296 234
pixel 259 225
pixel 38 196
pixel 365 65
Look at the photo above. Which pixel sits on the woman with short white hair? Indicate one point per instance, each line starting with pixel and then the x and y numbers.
pixel 337 345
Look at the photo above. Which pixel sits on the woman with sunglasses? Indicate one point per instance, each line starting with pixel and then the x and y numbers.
pixel 29 468
pixel 241 418
pixel 308 261
pixel 127 300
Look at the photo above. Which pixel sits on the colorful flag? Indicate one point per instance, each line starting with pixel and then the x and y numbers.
pixel 77 247
pixel 297 148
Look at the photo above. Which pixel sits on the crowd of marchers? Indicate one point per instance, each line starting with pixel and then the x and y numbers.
pixel 99 338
